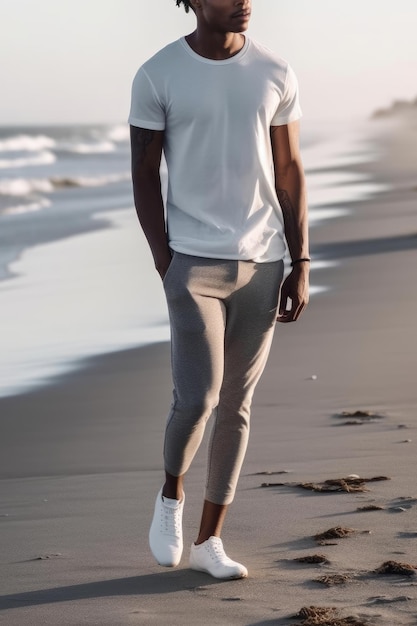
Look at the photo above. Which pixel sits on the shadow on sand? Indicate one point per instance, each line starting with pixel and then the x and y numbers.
pixel 380 245
pixel 150 584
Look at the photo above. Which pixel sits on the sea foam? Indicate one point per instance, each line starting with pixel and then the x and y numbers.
pixel 119 133
pixel 25 186
pixel 30 207
pixel 26 143
pixel 34 189
pixel 42 158
pixel 100 147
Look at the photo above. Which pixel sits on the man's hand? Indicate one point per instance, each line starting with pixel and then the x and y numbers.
pixel 295 288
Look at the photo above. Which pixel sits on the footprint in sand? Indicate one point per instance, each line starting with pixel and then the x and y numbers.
pixel 389 568
pixel 327 616
pixel 330 580
pixel 313 559
pixel 358 417
pixel 371 507
pixel 388 600
pixel 338 532
pixel 349 484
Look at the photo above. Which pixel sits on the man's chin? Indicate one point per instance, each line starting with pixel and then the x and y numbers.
pixel 239 30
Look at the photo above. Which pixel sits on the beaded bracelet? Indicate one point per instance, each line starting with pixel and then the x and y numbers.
pixel 304 260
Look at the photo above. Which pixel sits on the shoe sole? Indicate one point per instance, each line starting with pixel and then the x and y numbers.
pixel 206 571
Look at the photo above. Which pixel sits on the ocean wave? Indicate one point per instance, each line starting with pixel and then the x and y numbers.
pixel 26 143
pixel 99 147
pixel 87 181
pixel 42 158
pixel 119 133
pixel 30 207
pixel 25 186
pixel 102 143
pixel 29 187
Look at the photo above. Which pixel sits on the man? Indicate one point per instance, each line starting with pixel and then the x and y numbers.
pixel 224 111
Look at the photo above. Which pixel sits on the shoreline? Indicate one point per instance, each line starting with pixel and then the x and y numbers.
pixel 94 235
pixel 82 460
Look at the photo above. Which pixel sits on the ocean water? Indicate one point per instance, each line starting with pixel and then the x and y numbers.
pixel 76 276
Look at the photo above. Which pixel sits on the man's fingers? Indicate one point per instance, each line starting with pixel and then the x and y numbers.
pixel 286 305
pixel 299 310
pixel 283 300
pixel 287 315
pixel 292 314
pixel 283 310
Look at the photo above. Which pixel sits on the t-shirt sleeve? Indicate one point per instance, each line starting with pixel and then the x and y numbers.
pixel 146 109
pixel 289 109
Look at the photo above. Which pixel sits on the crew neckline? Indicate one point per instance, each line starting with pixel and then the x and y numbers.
pixel 233 59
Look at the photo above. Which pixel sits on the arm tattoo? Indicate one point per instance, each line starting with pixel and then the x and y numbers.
pixel 141 139
pixel 292 226
pixel 285 202
pixel 289 214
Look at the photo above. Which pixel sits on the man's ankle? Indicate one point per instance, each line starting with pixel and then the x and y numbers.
pixel 173 487
pixel 172 494
pixel 204 537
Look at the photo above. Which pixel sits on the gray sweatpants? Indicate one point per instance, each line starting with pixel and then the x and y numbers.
pixel 222 316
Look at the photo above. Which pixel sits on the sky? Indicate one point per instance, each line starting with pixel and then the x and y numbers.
pixel 73 61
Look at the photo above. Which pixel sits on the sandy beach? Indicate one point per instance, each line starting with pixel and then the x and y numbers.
pixel 81 459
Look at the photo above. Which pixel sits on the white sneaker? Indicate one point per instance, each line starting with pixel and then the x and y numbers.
pixel 165 534
pixel 210 557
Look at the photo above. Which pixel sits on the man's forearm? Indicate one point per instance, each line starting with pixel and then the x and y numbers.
pixel 146 148
pixel 291 192
pixel 150 211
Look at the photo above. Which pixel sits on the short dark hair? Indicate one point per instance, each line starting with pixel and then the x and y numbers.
pixel 186 3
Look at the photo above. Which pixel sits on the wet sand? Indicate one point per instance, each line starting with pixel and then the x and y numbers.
pixel 81 459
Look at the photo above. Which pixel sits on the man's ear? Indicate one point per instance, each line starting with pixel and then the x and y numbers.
pixel 195 5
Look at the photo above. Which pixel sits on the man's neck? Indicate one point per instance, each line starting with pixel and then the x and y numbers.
pixel 216 46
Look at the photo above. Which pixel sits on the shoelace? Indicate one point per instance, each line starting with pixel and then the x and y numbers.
pixel 217 552
pixel 170 521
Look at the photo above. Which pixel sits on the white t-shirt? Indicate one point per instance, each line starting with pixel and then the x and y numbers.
pixel 221 200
